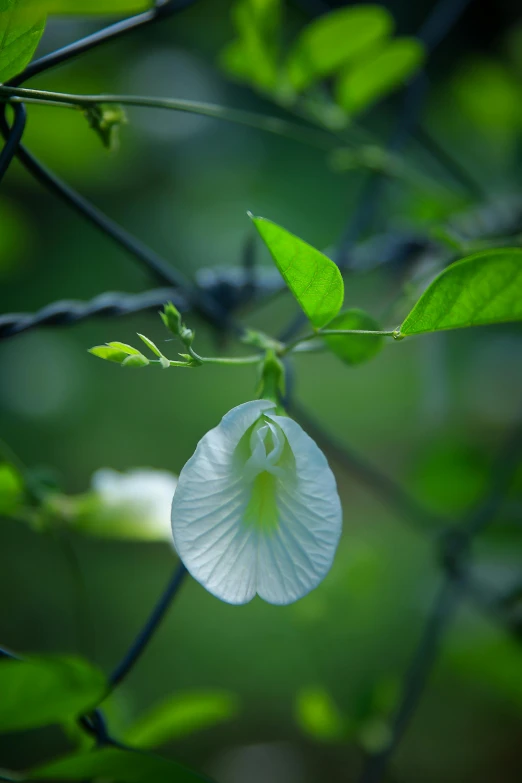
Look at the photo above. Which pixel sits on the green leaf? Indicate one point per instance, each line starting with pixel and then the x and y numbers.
pixel 122 765
pixel 89 7
pixel 253 57
pixel 153 347
pixel 377 75
pixel 485 288
pixel 46 690
pixel 109 353
pixel 21 27
pixel 335 39
pixel 181 715
pixel 314 279
pixel 11 489
pixel 124 348
pixel 136 360
pixel 318 716
pixel 354 348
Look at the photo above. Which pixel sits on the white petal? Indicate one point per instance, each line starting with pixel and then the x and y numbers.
pixel 141 496
pixel 208 508
pixel 295 558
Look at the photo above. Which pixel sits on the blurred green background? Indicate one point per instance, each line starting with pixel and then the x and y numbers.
pixel 313 682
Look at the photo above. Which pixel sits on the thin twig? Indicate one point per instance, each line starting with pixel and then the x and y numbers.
pixel 13 139
pixel 110 33
pixel 275 125
pixel 68 312
pixel 144 636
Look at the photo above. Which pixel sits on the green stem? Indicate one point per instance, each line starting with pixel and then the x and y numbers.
pixel 273 125
pixel 324 332
pixel 235 360
pixel 231 359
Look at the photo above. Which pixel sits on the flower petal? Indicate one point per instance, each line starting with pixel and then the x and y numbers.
pixel 294 558
pixel 208 508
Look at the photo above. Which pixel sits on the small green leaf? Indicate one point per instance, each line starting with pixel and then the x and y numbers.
pixel 153 347
pixel 21 27
pixel 485 288
pixel 46 690
pixel 354 348
pixel 127 349
pixel 312 277
pixel 11 489
pixel 335 39
pixel 379 74
pixel 181 715
pixel 318 716
pixel 136 360
pixel 253 57
pixel 109 353
pixel 116 764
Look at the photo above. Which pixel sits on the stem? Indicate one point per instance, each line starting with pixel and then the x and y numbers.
pixel 254 359
pixel 324 332
pixel 235 360
pixel 151 625
pixel 274 125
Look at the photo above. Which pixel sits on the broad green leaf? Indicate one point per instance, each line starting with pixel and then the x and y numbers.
pixel 87 7
pixel 109 352
pixel 46 690
pixel 125 766
pixel 318 716
pixel 181 715
pixel 11 489
pixel 485 288
pixel 379 74
pixel 21 27
pixel 334 40
pixel 354 348
pixel 312 277
pixel 253 57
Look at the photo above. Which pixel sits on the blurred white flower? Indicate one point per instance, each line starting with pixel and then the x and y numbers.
pixel 256 509
pixel 135 504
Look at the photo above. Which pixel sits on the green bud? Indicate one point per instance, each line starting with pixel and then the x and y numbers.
pixel 186 336
pixel 109 352
pixel 106 119
pixel 164 362
pixel 171 317
pixel 272 381
pixel 136 360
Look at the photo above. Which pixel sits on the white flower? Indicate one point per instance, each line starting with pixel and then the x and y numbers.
pixel 256 509
pixel 138 503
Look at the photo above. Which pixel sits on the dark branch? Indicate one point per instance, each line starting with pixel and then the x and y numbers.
pixel 69 312
pixel 109 33
pixel 13 139
pixel 146 633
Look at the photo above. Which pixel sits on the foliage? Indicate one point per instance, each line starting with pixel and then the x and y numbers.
pixel 324 77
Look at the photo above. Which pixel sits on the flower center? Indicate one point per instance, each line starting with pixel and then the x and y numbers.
pixel 263 468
